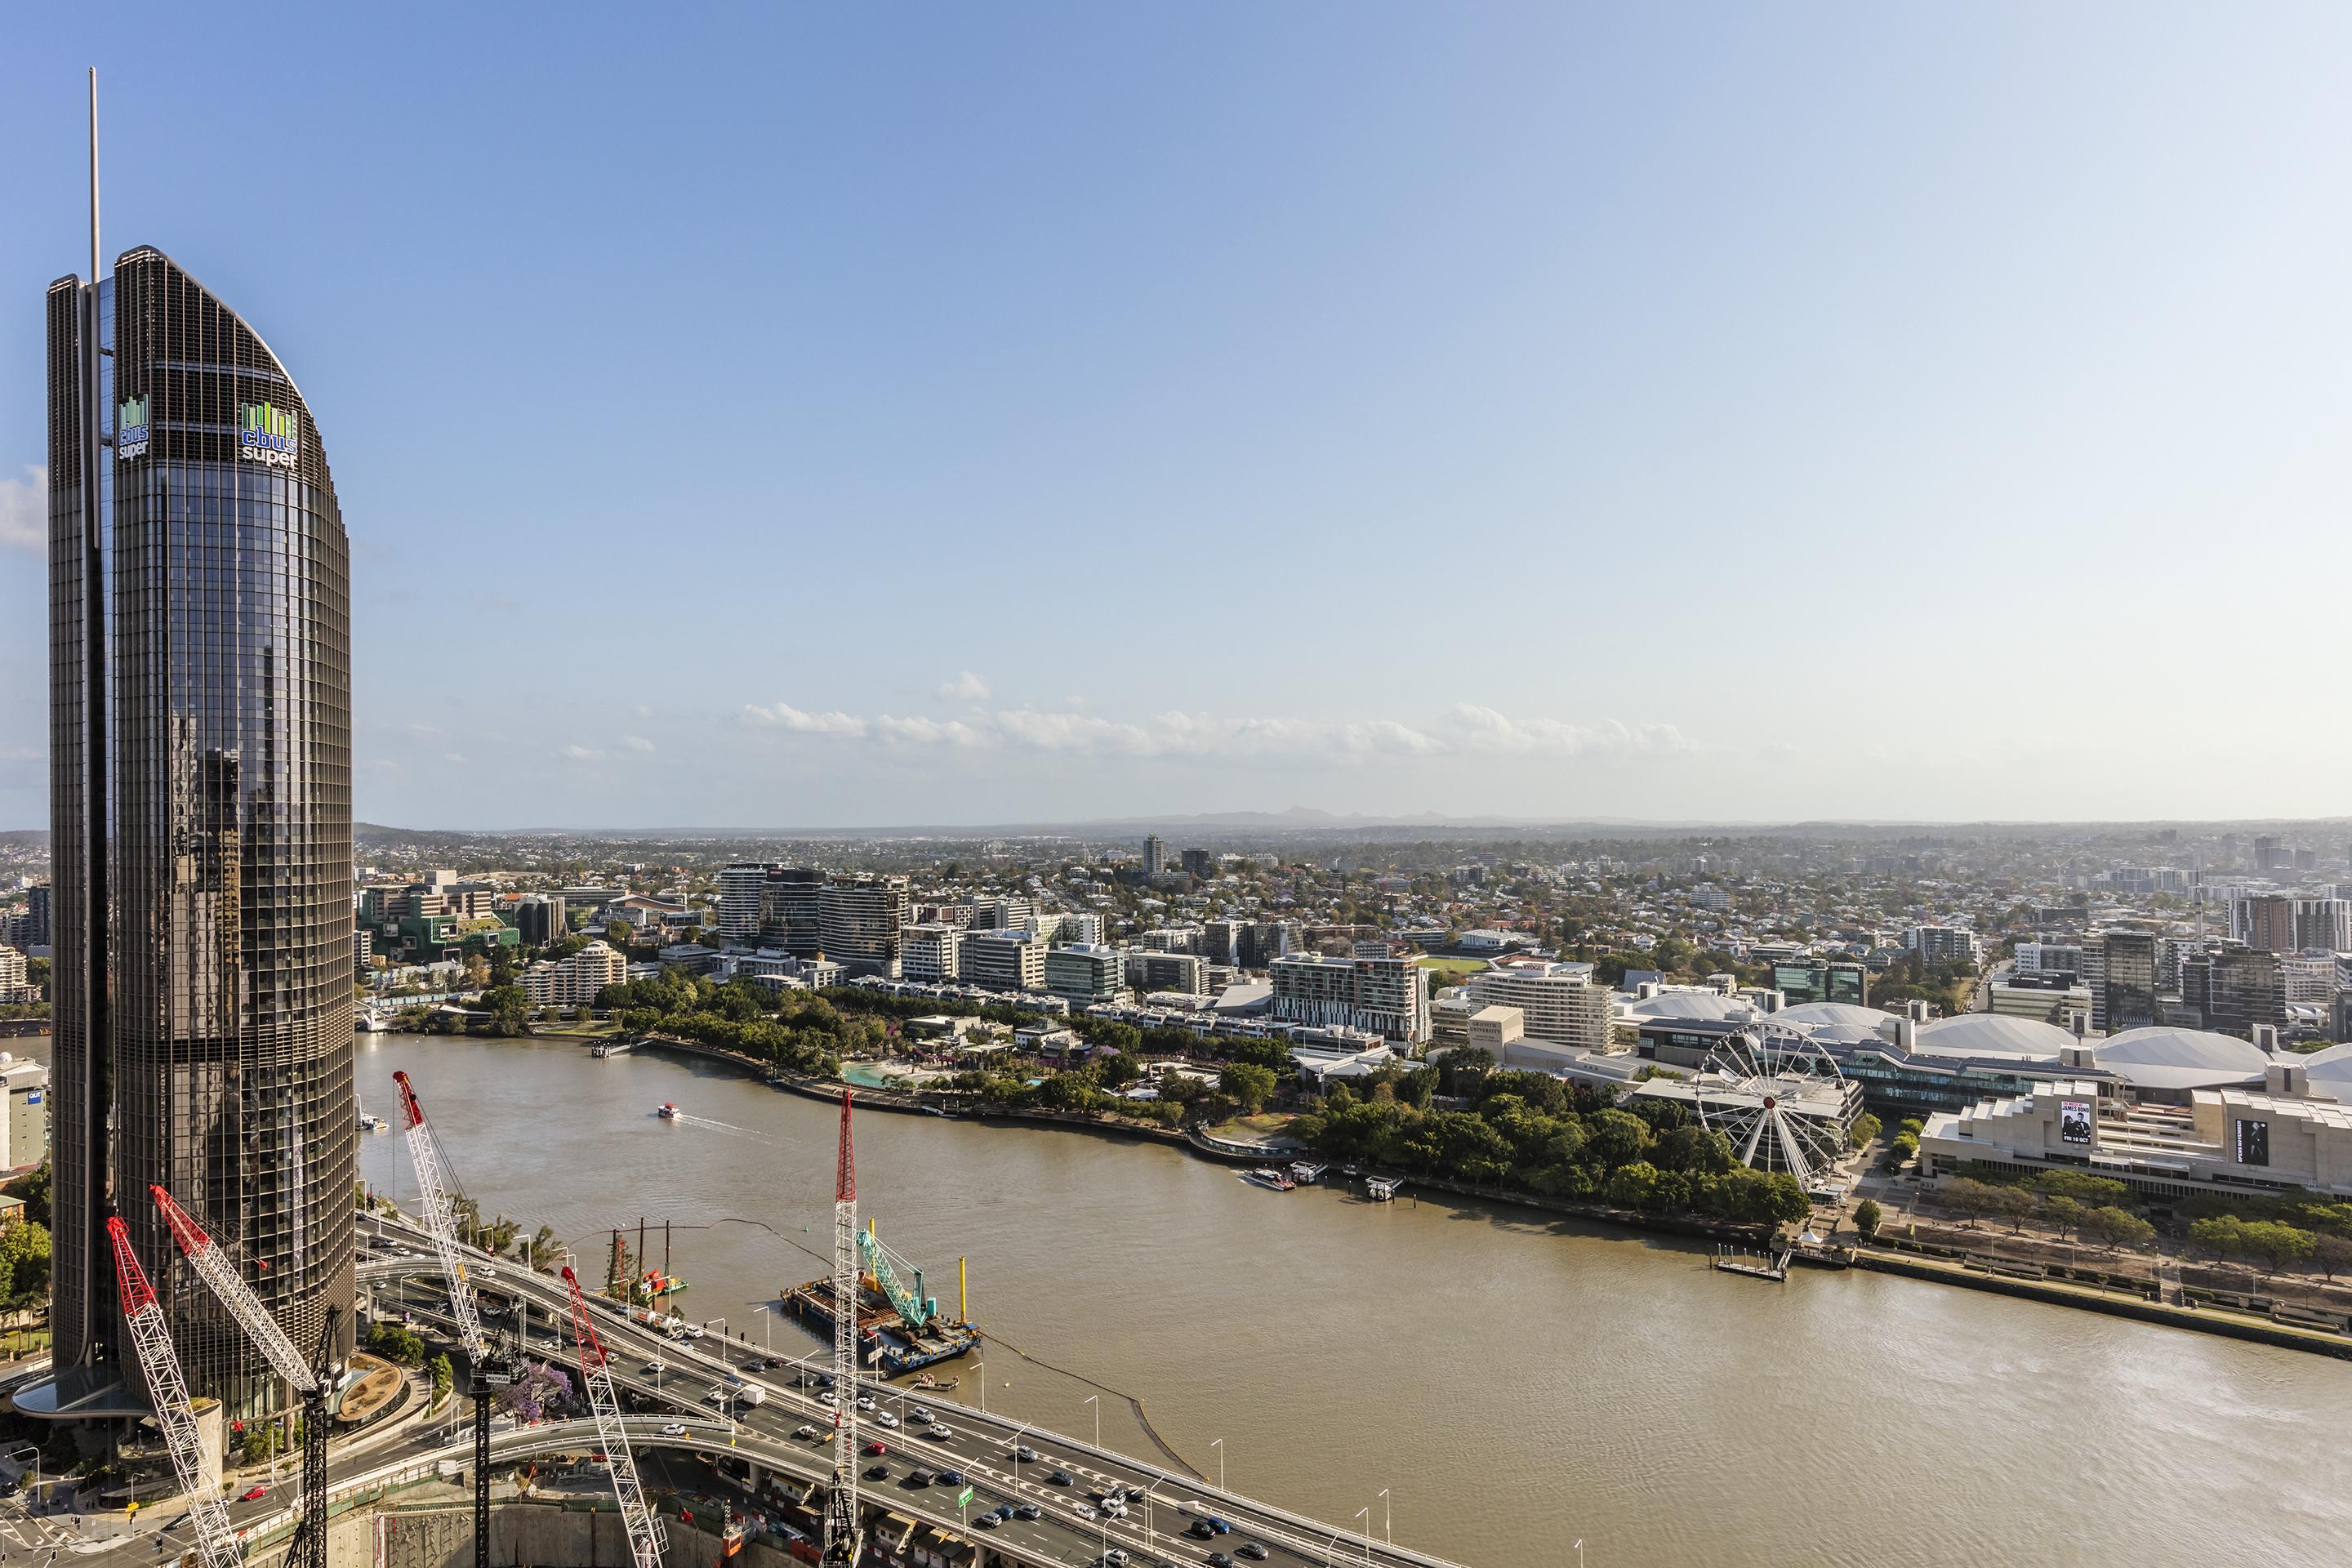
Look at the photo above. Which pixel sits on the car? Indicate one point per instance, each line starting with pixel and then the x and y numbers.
pixel 949 1477
pixel 1221 1526
pixel 1112 1507
pixel 938 1432
pixel 1003 1513
pixel 878 1473
pixel 1025 1454
pixel 1028 1511
pixel 656 1367
pixel 986 1521
pixel 877 1448
pixel 254 1493
pixel 1199 1531
pixel 1251 1550
pixel 1059 1479
pixel 1114 1557
pixel 1219 1560
pixel 865 1401
pixel 884 1418
pixel 919 1480
pixel 804 1431
pixel 716 1396
pixel 1086 1510
pixel 675 1430
pixel 921 1413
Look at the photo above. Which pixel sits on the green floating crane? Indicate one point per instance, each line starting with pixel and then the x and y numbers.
pixel 915 1308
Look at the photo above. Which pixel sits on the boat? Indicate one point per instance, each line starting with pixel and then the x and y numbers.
pixel 669 1111
pixel 1272 1180
pixel 371 1022
pixel 931 1384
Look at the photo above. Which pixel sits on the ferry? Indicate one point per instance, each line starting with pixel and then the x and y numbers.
pixel 669 1111
pixel 371 1022
pixel 1268 1177
pixel 610 1048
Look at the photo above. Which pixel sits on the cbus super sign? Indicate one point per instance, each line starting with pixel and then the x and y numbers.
pixel 130 429
pixel 268 434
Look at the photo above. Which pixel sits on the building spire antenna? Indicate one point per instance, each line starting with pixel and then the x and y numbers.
pixel 94 175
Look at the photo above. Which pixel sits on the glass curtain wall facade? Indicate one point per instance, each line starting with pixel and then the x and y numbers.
pixel 225 1054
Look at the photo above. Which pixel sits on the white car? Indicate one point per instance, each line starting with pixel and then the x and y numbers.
pixel 865 1401
pixel 828 1397
pixel 804 1431
pixel 716 1396
pixel 656 1367
pixel 675 1430
pixel 922 1413
pixel 940 1432
pixel 884 1418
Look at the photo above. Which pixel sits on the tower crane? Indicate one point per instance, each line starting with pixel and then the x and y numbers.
pixel 843 1526
pixel 152 1337
pixel 313 1381
pixel 439 1190
pixel 646 1535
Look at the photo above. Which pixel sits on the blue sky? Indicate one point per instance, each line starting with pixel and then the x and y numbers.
pixel 800 416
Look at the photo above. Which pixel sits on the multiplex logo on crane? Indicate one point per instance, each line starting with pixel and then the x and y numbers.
pixel 269 434
pixel 130 429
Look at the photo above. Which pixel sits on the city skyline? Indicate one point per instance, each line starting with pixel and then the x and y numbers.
pixel 1845 385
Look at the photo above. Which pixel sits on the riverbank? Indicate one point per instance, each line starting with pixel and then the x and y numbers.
pixel 1983 1276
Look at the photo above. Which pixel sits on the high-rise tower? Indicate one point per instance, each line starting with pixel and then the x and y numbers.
pixel 201 822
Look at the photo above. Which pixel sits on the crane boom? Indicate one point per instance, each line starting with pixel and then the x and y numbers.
pixel 914 1308
pixel 441 1218
pixel 152 1337
pixel 212 1265
pixel 845 1525
pixel 646 1534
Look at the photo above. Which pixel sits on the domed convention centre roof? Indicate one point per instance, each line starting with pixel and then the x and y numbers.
pixel 1867 1019
pixel 1994 1035
pixel 2179 1058
pixel 1712 1006
pixel 2331 1071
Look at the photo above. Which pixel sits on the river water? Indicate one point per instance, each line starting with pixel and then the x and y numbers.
pixel 1516 1382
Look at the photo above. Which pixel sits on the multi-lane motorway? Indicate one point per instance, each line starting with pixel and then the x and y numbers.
pixel 1069 1527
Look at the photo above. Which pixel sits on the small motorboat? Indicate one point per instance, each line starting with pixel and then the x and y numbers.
pixel 669 1111
pixel 1272 1180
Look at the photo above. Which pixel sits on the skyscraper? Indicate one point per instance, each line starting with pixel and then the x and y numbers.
pixel 200 815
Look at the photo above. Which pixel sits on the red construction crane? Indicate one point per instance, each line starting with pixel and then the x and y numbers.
pixel 215 1268
pixel 646 1535
pixel 152 1337
pixel 440 1202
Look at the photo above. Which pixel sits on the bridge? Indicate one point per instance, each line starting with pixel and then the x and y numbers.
pixel 403 1276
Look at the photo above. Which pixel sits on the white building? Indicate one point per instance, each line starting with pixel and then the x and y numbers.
pixel 1160 971
pixel 14 985
pixel 1001 961
pixel 1386 997
pixel 859 916
pixel 1944 945
pixel 741 887
pixel 1083 972
pixel 574 982
pixel 1561 1003
pixel 933 952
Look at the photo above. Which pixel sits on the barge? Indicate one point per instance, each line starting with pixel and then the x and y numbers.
pixel 885 1340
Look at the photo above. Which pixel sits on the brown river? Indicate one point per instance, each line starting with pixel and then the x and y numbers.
pixel 1515 1382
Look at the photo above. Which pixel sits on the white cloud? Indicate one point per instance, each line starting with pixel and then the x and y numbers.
pixel 25 510
pixel 783 716
pixel 1467 729
pixel 581 753
pixel 638 745
pixel 452 756
pixel 965 688
pixel 1484 730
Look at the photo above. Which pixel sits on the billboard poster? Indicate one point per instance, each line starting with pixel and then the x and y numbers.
pixel 2074 1121
pixel 2253 1142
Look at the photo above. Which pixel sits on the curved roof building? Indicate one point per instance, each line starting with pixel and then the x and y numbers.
pixel 2331 1071
pixel 1836 1020
pixel 1993 1035
pixel 2162 1057
pixel 1707 1006
pixel 200 722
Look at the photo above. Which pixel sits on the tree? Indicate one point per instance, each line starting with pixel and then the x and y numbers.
pixel 2092 1191
pixel 1615 1139
pixel 1973 1198
pixel 1631 1186
pixel 1865 1128
pixel 1252 1086
pixel 2012 1203
pixel 395 1344
pixel 2063 1213
pixel 2331 1253
pixel 25 1262
pixel 1900 1150
pixel 443 1378
pixel 32 1186
pixel 2117 1228
pixel 1867 1219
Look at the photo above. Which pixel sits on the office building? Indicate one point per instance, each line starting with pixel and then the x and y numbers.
pixel 1801 980
pixel 1148 971
pixel 1001 912
pixel 791 909
pixel 24 1124
pixel 16 980
pixel 1196 862
pixel 574 982
pixel 2234 992
pixel 1083 973
pixel 1222 941
pixel 1001 961
pixel 36 916
pixel 930 953
pixel 541 919
pixel 1560 1002
pixel 1155 856
pixel 859 916
pixel 201 832
pixel 742 901
pixel 2119 970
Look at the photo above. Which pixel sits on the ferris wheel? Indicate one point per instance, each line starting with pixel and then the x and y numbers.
pixel 1779 1098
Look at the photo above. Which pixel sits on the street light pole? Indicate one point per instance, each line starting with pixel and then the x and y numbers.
pixel 981 1368
pixel 1094 1399
pixel 722 1339
pixel 1387 1534
pixel 767 1330
pixel 1365 1513
pixel 1579 1552
pixel 1220 1447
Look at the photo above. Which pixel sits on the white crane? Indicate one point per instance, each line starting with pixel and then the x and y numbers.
pixel 215 1268
pixel 646 1535
pixel 152 1337
pixel 439 1194
pixel 844 1525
